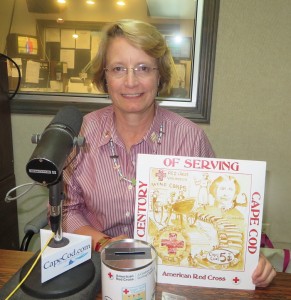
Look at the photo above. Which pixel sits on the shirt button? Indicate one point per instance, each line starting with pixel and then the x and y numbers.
pixel 127 214
pixel 125 229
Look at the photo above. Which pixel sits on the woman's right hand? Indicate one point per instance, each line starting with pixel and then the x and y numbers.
pixel 118 238
pixel 114 239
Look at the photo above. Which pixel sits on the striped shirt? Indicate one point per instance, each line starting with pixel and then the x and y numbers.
pixel 95 195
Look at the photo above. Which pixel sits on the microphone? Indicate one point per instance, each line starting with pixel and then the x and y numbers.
pixel 48 160
pixel 81 277
pixel 54 146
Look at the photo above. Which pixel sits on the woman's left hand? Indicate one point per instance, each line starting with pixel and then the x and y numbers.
pixel 264 273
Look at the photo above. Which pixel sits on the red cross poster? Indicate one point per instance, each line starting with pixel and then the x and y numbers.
pixel 203 216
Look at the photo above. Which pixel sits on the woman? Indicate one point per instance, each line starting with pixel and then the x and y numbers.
pixel 226 192
pixel 133 65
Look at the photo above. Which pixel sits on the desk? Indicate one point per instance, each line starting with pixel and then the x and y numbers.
pixel 280 289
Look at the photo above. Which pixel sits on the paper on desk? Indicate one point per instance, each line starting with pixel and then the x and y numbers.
pixel 68 56
pixel 168 296
pixel 14 71
pixel 32 71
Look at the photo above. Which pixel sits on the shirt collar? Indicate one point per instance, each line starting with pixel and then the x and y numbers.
pixel 151 137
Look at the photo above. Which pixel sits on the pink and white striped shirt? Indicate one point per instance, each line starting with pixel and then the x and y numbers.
pixel 95 195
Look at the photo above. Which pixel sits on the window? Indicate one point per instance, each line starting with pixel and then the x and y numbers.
pixel 53 46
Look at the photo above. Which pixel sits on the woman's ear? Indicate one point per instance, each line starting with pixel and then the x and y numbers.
pixel 159 78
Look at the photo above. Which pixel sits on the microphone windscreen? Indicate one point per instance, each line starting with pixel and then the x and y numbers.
pixel 69 116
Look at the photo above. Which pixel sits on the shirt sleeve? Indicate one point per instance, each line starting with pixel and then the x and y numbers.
pixel 73 205
pixel 205 146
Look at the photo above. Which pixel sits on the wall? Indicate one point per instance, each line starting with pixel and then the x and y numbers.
pixel 31 204
pixel 251 98
pixel 250 107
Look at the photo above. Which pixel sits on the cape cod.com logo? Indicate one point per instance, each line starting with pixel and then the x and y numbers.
pixel 68 258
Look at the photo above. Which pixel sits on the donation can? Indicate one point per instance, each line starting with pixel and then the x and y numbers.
pixel 128 269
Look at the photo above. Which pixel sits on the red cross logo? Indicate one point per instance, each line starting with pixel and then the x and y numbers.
pixel 126 291
pixel 172 243
pixel 161 175
pixel 110 275
pixel 236 280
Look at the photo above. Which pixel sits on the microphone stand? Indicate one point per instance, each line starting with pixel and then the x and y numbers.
pixel 56 197
pixel 71 282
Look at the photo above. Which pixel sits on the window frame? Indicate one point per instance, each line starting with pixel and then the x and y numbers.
pixel 50 104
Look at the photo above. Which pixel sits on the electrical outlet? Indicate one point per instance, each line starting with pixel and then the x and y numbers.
pixel 266 229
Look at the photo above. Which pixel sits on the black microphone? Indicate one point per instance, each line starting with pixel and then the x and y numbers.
pixel 54 146
pixel 48 160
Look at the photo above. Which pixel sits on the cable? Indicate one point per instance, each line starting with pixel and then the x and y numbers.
pixel 11 20
pixel 19 75
pixel 32 185
pixel 44 53
pixel 31 268
pixel 38 33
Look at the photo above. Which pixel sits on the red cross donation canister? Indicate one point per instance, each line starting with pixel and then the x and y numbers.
pixel 128 269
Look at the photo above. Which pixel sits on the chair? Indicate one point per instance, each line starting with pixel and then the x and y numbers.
pixel 279 258
pixel 33 227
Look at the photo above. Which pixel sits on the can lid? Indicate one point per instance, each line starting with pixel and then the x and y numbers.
pixel 128 254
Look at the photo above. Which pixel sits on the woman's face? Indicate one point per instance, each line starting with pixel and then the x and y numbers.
pixel 130 93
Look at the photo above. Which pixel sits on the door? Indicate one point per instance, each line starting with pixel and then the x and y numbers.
pixel 9 237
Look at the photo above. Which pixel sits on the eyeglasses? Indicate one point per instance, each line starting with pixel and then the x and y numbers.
pixel 119 71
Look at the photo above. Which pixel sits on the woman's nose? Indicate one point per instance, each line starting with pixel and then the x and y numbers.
pixel 130 78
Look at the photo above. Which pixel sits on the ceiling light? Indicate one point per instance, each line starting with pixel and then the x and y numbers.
pixel 178 39
pixel 75 36
pixel 120 3
pixel 61 1
pixel 60 20
pixel 90 2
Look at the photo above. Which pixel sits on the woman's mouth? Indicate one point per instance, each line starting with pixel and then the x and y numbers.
pixel 132 95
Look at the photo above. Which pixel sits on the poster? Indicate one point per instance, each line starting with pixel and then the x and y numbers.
pixel 203 216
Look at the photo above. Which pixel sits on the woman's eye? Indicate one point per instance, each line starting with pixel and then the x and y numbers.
pixel 144 69
pixel 117 69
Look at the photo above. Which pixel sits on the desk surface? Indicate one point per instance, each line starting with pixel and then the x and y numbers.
pixel 280 289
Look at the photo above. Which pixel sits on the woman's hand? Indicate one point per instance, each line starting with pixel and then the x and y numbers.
pixel 114 239
pixel 97 236
pixel 118 238
pixel 264 273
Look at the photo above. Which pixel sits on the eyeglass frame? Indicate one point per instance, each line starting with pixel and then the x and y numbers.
pixel 134 69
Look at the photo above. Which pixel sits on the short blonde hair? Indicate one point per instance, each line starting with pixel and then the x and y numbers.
pixel 141 35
